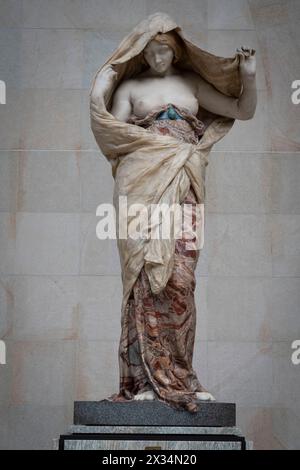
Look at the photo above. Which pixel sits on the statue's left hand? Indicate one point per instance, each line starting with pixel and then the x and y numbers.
pixel 247 61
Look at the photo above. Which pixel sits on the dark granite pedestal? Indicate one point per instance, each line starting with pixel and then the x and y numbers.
pixel 145 425
pixel 152 413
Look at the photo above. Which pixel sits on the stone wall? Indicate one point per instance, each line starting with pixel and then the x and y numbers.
pixel 60 287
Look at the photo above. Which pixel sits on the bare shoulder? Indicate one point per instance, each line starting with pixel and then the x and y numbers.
pixel 125 87
pixel 194 78
pixel 191 75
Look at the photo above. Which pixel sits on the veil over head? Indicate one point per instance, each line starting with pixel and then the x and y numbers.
pixel 172 40
pixel 127 59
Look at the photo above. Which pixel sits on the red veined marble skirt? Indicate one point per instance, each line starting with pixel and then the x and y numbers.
pixel 158 331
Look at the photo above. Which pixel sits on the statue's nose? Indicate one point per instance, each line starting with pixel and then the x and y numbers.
pixel 158 61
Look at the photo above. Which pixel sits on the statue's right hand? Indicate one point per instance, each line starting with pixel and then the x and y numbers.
pixel 107 74
pixel 103 82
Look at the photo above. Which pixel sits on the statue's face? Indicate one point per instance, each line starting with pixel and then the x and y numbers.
pixel 158 56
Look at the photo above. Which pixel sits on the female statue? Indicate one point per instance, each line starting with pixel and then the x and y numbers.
pixel 169 102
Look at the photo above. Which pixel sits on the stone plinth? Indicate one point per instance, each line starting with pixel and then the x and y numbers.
pixel 152 425
pixel 152 413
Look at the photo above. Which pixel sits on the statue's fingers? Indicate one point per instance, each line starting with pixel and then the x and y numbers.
pixel 247 51
pixel 242 58
pixel 106 67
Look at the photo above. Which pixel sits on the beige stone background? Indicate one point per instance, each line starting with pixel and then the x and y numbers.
pixel 60 287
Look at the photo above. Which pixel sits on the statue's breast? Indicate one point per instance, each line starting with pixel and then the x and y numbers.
pixel 152 93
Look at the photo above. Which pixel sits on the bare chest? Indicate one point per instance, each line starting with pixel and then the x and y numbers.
pixel 150 93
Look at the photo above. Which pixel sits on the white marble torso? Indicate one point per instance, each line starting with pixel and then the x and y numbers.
pixel 147 93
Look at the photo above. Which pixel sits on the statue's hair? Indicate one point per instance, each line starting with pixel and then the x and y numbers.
pixel 172 40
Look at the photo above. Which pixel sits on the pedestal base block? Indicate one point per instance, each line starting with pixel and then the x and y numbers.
pixel 152 425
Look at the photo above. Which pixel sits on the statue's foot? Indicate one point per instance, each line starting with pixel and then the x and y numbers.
pixel 148 395
pixel 205 396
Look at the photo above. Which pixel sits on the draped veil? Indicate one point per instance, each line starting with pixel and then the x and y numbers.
pixel 149 168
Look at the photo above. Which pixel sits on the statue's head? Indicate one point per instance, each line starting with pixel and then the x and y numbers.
pixel 163 50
